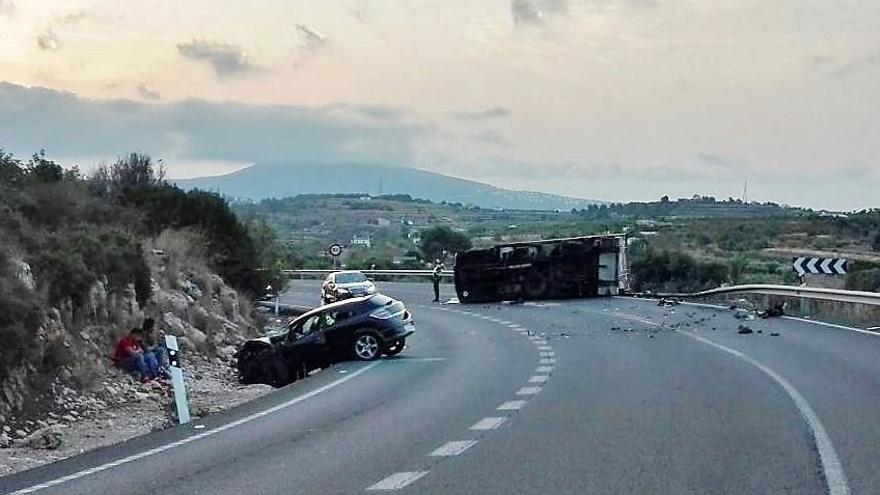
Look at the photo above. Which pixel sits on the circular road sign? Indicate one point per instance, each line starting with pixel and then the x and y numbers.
pixel 335 250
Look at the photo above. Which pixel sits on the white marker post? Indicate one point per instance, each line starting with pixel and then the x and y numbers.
pixel 177 383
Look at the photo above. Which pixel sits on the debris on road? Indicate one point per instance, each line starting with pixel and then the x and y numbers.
pixel 774 334
pixel 744 330
pixel 667 302
pixel 773 311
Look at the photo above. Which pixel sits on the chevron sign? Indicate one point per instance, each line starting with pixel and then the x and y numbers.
pixel 826 266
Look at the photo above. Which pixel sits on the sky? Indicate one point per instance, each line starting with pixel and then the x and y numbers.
pixel 610 99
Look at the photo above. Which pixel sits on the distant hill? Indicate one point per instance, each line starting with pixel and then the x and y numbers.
pixel 277 181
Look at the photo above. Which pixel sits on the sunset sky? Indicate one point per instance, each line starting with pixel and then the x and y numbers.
pixel 609 99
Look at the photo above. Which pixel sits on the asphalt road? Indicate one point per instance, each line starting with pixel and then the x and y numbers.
pixel 594 396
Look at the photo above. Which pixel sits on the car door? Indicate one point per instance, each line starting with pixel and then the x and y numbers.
pixel 339 335
pixel 306 340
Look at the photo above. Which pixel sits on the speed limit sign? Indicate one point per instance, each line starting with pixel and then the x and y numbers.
pixel 335 250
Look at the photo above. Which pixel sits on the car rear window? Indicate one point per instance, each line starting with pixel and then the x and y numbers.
pixel 381 300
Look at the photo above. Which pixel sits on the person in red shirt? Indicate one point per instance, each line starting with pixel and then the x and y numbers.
pixel 130 356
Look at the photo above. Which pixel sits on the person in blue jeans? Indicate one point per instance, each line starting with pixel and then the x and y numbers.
pixel 130 356
pixel 154 343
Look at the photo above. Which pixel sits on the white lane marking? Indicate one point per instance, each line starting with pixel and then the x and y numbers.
pixel 544 369
pixel 547 361
pixel 544 348
pixel 512 405
pixel 184 441
pixel 539 379
pixel 528 391
pixel 832 325
pixel 453 448
pixel 540 342
pixel 397 481
pixel 489 423
pixel 505 322
pixel 513 325
pixel 835 478
pixel 547 354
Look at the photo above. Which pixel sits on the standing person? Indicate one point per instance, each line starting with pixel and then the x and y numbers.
pixel 154 343
pixel 435 278
pixel 130 356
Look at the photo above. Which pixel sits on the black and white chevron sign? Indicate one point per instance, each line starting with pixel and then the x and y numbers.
pixel 826 266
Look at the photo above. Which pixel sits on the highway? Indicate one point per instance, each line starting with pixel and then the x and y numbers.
pixel 598 396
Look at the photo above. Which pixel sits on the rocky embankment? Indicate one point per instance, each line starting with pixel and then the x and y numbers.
pixel 82 402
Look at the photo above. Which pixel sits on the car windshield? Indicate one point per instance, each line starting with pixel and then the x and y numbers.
pixel 350 278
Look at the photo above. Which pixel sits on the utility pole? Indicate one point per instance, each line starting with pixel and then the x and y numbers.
pixel 746 191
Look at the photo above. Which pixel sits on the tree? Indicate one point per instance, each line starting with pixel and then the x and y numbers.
pixel 43 170
pixel 438 239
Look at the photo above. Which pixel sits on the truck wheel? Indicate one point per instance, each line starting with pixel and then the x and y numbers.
pixel 535 286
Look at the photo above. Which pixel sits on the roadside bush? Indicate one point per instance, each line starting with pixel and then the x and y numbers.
pixel 864 280
pixel 19 319
pixel 677 272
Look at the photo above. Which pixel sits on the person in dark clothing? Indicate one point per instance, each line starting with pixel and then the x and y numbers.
pixel 130 356
pixel 435 278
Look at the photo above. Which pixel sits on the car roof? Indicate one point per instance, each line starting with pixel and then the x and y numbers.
pixel 340 272
pixel 344 302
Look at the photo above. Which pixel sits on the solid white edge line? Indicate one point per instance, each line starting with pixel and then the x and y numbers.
pixel 456 447
pixel 184 441
pixel 835 478
pixel 832 469
pixel 397 481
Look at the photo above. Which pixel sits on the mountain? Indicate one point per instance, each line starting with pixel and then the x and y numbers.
pixel 277 181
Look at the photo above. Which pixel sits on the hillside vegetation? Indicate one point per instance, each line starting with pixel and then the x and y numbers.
pixel 82 259
pixel 677 245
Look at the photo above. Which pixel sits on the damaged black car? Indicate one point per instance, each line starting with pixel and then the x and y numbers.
pixel 362 328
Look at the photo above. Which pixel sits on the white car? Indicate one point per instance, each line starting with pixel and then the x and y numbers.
pixel 346 284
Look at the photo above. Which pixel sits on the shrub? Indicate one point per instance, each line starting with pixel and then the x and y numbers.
pixel 675 271
pixel 864 280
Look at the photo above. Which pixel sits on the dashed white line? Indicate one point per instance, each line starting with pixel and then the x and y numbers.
pixel 547 354
pixel 547 361
pixel 397 481
pixel 528 391
pixel 539 379
pixel 545 348
pixel 512 405
pixel 543 369
pixel 453 448
pixel 488 423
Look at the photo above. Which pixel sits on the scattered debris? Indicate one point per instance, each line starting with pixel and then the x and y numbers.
pixel 744 330
pixel 773 311
pixel 667 302
pixel 774 334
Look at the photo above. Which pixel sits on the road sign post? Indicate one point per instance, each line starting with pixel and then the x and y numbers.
pixel 178 385
pixel 335 251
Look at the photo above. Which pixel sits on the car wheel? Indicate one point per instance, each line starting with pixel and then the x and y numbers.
pixel 275 373
pixel 395 347
pixel 367 346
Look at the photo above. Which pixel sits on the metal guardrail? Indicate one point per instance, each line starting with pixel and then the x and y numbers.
pixel 838 295
pixel 396 273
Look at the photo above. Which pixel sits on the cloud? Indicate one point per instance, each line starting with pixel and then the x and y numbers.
pixel 490 137
pixel 865 63
pixel 70 126
pixel 535 12
pixel 715 160
pixel 48 41
pixel 7 7
pixel 311 43
pixel 226 60
pixel 147 93
pixel 490 113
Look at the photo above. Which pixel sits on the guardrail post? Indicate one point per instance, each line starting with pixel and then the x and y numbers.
pixel 178 385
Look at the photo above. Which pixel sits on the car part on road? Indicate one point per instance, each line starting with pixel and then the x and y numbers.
pixel 395 347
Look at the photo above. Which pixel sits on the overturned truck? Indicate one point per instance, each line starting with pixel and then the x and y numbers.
pixel 550 269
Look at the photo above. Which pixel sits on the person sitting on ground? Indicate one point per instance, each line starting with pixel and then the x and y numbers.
pixel 154 343
pixel 130 356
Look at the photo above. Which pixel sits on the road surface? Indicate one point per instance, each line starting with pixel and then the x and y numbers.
pixel 593 396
